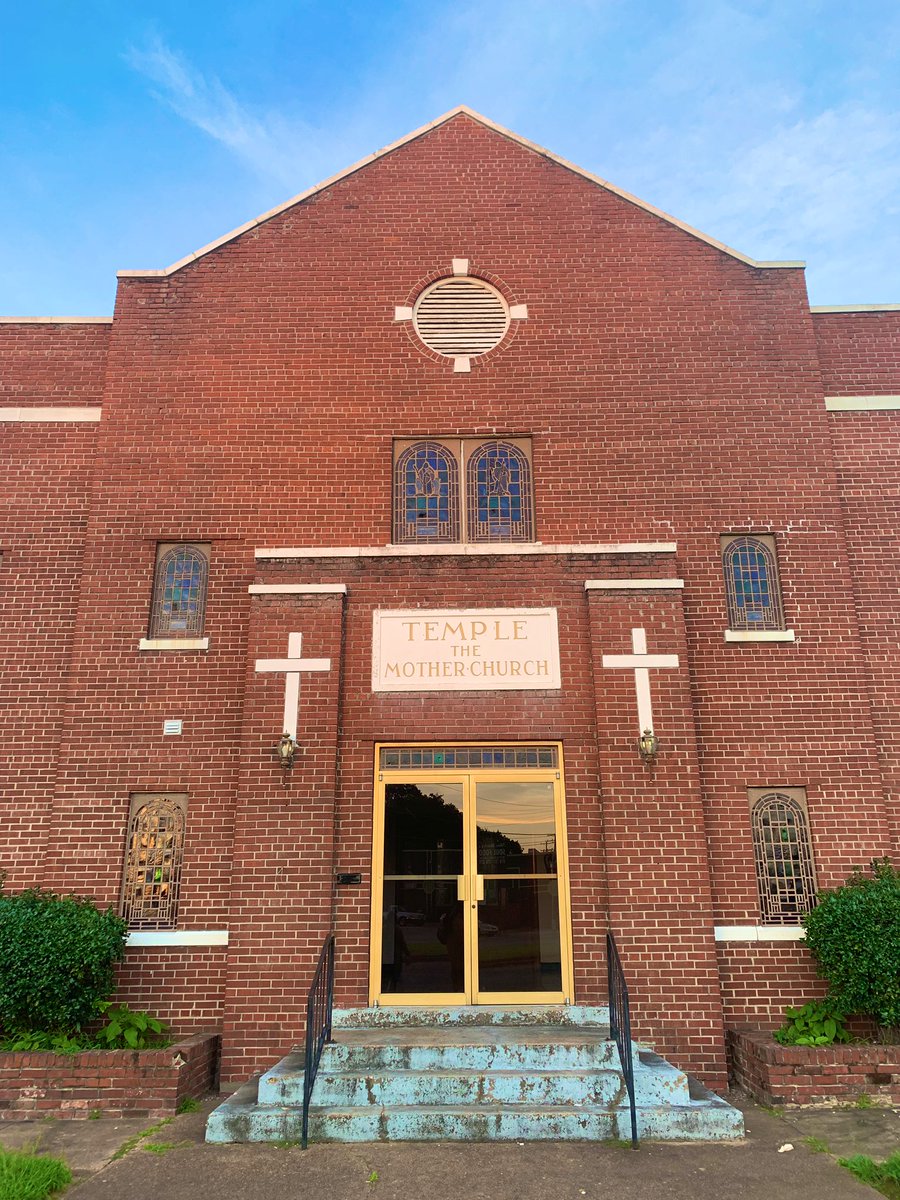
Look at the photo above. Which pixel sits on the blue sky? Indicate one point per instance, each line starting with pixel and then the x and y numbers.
pixel 132 134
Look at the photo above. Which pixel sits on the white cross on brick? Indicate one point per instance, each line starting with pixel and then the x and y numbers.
pixel 641 662
pixel 292 667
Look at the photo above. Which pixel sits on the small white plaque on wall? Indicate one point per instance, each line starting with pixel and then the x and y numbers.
pixel 463 650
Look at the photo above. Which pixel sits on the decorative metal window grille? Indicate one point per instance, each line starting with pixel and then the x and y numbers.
pixel 751 583
pixel 429 482
pixel 437 758
pixel 498 486
pixel 426 494
pixel 783 853
pixel 461 316
pixel 153 856
pixel 179 591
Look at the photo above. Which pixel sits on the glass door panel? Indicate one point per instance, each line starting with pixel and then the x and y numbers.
pixel 519 946
pixel 423 943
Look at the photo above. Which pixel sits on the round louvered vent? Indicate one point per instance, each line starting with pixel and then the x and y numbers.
pixel 461 317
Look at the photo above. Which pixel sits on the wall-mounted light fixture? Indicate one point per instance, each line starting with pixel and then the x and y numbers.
pixel 648 746
pixel 286 750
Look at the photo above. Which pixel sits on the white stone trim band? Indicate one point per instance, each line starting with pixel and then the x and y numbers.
pixel 174 643
pixel 840 308
pixel 759 933
pixel 457 548
pixel 759 635
pixel 860 403
pixel 48 413
pixel 297 589
pixel 178 937
pixel 602 585
pixel 55 320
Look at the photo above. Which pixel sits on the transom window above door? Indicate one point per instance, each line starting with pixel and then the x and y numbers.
pixel 454 490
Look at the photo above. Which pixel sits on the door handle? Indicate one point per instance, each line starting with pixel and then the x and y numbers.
pixel 479 887
pixel 461 887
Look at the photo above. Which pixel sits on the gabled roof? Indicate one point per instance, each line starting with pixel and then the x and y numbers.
pixel 460 109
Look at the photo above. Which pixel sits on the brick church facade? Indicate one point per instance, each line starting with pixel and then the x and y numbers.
pixel 535 471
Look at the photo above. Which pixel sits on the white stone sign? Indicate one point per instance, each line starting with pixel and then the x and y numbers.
pixel 468 649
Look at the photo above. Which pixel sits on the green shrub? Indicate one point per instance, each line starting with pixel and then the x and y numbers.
pixel 126 1029
pixel 56 960
pixel 818 1023
pixel 854 933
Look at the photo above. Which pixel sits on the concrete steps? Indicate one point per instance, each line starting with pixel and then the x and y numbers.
pixel 472 1075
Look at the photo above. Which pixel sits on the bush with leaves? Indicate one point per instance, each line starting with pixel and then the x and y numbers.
pixel 56 961
pixel 854 934
pixel 818 1023
pixel 130 1029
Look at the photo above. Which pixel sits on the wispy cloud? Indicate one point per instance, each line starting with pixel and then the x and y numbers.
pixel 287 151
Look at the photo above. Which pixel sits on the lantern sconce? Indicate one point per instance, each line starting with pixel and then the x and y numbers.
pixel 648 747
pixel 286 751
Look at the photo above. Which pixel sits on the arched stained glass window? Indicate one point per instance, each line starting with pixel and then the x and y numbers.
pixel 498 488
pixel 179 592
pixel 783 853
pixel 751 583
pixel 426 494
pixel 153 856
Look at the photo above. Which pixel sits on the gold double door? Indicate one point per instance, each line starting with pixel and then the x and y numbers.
pixel 470 886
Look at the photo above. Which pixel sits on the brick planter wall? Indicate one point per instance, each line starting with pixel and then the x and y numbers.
pixel 118 1083
pixel 778 1074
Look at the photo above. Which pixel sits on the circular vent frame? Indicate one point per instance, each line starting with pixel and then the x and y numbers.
pixel 461 316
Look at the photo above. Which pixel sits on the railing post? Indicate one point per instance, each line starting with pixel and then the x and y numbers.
pixel 620 1025
pixel 319 1003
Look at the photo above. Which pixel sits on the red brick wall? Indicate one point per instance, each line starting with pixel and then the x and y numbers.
pixel 813 1074
pixel 672 393
pixel 859 352
pixel 43 512
pixel 183 986
pixel 116 1083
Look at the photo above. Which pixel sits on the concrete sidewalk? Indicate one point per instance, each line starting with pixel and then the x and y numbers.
pixel 191 1170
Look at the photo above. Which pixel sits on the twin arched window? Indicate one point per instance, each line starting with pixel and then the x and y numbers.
pixel 179 591
pixel 751 583
pixel 783 854
pixel 154 850
pixel 430 478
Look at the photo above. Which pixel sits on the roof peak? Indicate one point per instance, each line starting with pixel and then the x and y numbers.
pixel 457 111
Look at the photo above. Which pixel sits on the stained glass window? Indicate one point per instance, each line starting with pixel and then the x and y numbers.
pixel 153 856
pixel 179 592
pixel 784 866
pixel 751 584
pixel 426 494
pixel 498 484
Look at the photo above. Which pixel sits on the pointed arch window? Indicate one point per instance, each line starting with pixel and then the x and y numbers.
pixel 179 590
pixel 154 849
pixel 463 490
pixel 783 852
pixel 426 494
pixel 752 587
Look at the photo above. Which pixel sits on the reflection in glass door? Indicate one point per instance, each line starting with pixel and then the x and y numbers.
pixel 470 900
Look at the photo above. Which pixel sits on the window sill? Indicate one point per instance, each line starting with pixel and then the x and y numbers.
pixel 760 933
pixel 761 635
pixel 176 937
pixel 174 643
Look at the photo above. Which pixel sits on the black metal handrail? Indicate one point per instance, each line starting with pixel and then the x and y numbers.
pixel 319 1005
pixel 620 1025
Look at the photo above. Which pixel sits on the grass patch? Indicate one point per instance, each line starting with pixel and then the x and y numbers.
pixel 129 1144
pixel 187 1104
pixel 816 1145
pixel 884 1176
pixel 863 1100
pixel 25 1175
pixel 164 1147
